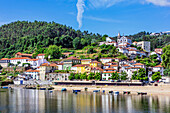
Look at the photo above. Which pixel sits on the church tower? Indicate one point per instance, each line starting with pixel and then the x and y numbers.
pixel 118 37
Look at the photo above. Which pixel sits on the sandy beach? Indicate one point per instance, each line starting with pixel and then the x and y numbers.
pixel 161 89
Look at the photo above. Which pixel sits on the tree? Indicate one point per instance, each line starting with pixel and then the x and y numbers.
pixel 83 76
pixel 166 57
pixel 18 62
pixel 71 77
pixel 77 43
pixel 91 50
pixel 167 72
pixel 142 74
pixel 97 76
pixel 124 76
pixel 115 76
pixel 54 52
pixel 77 76
pixel 156 76
pixel 91 76
pixel 134 76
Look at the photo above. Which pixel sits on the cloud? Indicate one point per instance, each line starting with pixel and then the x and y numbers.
pixel 80 7
pixel 159 2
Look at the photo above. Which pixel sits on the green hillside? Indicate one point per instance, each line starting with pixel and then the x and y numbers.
pixel 24 36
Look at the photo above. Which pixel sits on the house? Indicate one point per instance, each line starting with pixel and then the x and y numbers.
pixel 95 64
pixel 86 61
pixel 123 50
pixel 109 69
pixel 159 51
pixel 4 62
pixel 109 39
pixel 96 70
pixel 108 43
pixel 159 55
pixel 116 67
pixel 106 75
pixel 69 62
pixel 130 71
pixel 18 55
pixel 158 68
pixel 36 62
pixel 47 68
pixel 81 68
pixel 144 45
pixel 60 66
pixel 19 61
pixel 40 56
pixel 105 60
pixel 139 65
pixel 33 73
pixel 58 76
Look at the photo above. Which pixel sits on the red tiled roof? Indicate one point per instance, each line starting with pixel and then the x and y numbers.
pixel 111 72
pixel 72 58
pixel 33 59
pixel 133 68
pixel 138 64
pixel 45 64
pixel 30 70
pixel 23 54
pixel 110 69
pixel 158 66
pixel 4 59
pixel 41 54
pixel 125 65
pixel 60 64
pixel 19 58
pixel 114 65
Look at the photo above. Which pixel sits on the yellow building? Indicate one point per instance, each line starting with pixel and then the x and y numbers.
pixel 81 68
pixel 95 64
pixel 86 61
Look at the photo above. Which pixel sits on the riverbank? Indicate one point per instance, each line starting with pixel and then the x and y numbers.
pixel 150 90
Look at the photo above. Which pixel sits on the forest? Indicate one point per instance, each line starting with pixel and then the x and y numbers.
pixel 28 37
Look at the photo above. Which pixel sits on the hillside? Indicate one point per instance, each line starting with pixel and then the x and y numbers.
pixel 24 36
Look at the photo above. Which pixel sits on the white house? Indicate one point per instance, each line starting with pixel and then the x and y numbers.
pixel 19 60
pixel 36 62
pixel 105 60
pixel 139 65
pixel 40 56
pixel 34 73
pixel 60 66
pixel 109 39
pixel 158 68
pixel 123 50
pixel 107 74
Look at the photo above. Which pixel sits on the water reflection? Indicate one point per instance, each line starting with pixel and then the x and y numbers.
pixel 43 101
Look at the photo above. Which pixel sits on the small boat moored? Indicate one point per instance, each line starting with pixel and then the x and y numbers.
pixel 110 91
pixel 42 88
pixel 63 89
pixel 103 91
pixel 116 92
pixel 96 91
pixel 4 87
pixel 75 91
pixel 142 93
pixel 126 92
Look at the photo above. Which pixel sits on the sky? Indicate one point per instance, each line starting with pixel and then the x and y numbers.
pixel 97 16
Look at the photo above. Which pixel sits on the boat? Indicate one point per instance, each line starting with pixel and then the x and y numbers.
pixel 142 93
pixel 63 89
pixel 4 87
pixel 103 91
pixel 96 91
pixel 75 91
pixel 116 92
pixel 126 92
pixel 51 91
pixel 42 88
pixel 110 91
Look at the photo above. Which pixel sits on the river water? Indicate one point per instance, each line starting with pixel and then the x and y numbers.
pixel 38 101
